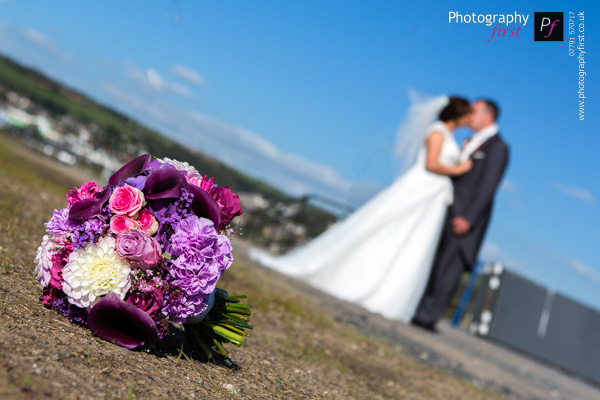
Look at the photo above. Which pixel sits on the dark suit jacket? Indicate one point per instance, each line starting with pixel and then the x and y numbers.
pixel 474 194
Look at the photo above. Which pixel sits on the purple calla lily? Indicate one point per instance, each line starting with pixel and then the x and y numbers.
pixel 88 208
pixel 204 205
pixel 122 323
pixel 164 183
pixel 132 168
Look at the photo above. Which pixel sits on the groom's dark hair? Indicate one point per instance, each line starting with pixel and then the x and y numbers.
pixel 492 107
pixel 456 108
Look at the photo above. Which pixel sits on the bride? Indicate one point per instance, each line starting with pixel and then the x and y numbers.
pixel 380 256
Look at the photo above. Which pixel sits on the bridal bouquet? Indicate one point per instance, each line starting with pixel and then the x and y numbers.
pixel 146 249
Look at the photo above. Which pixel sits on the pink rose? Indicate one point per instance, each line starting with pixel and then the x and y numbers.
pixel 228 202
pixel 126 200
pixel 87 191
pixel 141 249
pixel 147 222
pixel 119 223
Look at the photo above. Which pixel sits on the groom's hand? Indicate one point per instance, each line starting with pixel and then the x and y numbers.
pixel 460 226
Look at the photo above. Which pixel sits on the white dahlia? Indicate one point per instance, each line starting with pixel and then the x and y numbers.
pixel 95 271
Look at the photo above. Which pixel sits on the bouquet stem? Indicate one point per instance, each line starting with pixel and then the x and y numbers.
pixel 225 323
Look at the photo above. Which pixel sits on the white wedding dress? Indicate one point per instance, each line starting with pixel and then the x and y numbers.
pixel 380 256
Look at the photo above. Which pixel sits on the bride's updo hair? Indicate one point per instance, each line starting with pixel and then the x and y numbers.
pixel 456 108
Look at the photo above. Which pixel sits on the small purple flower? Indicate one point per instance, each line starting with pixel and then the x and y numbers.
pixel 137 181
pixel 58 301
pixel 170 216
pixel 89 231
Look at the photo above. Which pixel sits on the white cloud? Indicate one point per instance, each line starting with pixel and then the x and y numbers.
pixel 361 191
pixel 38 39
pixel 509 186
pixel 236 146
pixel 154 79
pixel 575 265
pixel 151 79
pixel 575 192
pixel 491 252
pixel 584 270
pixel 6 41
pixel 46 44
pixel 187 74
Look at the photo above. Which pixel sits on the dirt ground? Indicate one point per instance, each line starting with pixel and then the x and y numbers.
pixel 482 362
pixel 305 345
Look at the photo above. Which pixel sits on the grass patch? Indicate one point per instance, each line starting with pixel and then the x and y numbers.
pixel 36 175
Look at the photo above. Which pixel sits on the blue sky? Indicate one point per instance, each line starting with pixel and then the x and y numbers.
pixel 308 96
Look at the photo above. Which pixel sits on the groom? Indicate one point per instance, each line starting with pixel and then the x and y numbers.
pixel 466 219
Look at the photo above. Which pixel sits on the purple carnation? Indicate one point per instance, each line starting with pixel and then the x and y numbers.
pixel 200 256
pixel 196 240
pixel 195 279
pixel 223 253
pixel 60 226
pixel 178 307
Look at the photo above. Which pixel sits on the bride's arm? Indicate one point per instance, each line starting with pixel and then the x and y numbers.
pixel 434 145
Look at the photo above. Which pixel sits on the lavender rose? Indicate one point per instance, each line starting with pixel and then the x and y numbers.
pixel 228 202
pixel 142 250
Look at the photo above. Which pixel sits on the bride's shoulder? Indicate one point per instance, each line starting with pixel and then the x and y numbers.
pixel 437 126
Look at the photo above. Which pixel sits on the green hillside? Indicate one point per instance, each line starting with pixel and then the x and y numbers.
pixel 117 131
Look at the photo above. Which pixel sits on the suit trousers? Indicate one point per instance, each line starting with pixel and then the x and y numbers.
pixel 448 265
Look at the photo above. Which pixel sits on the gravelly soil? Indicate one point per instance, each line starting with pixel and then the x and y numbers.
pixel 305 345
pixel 296 351
pixel 482 362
